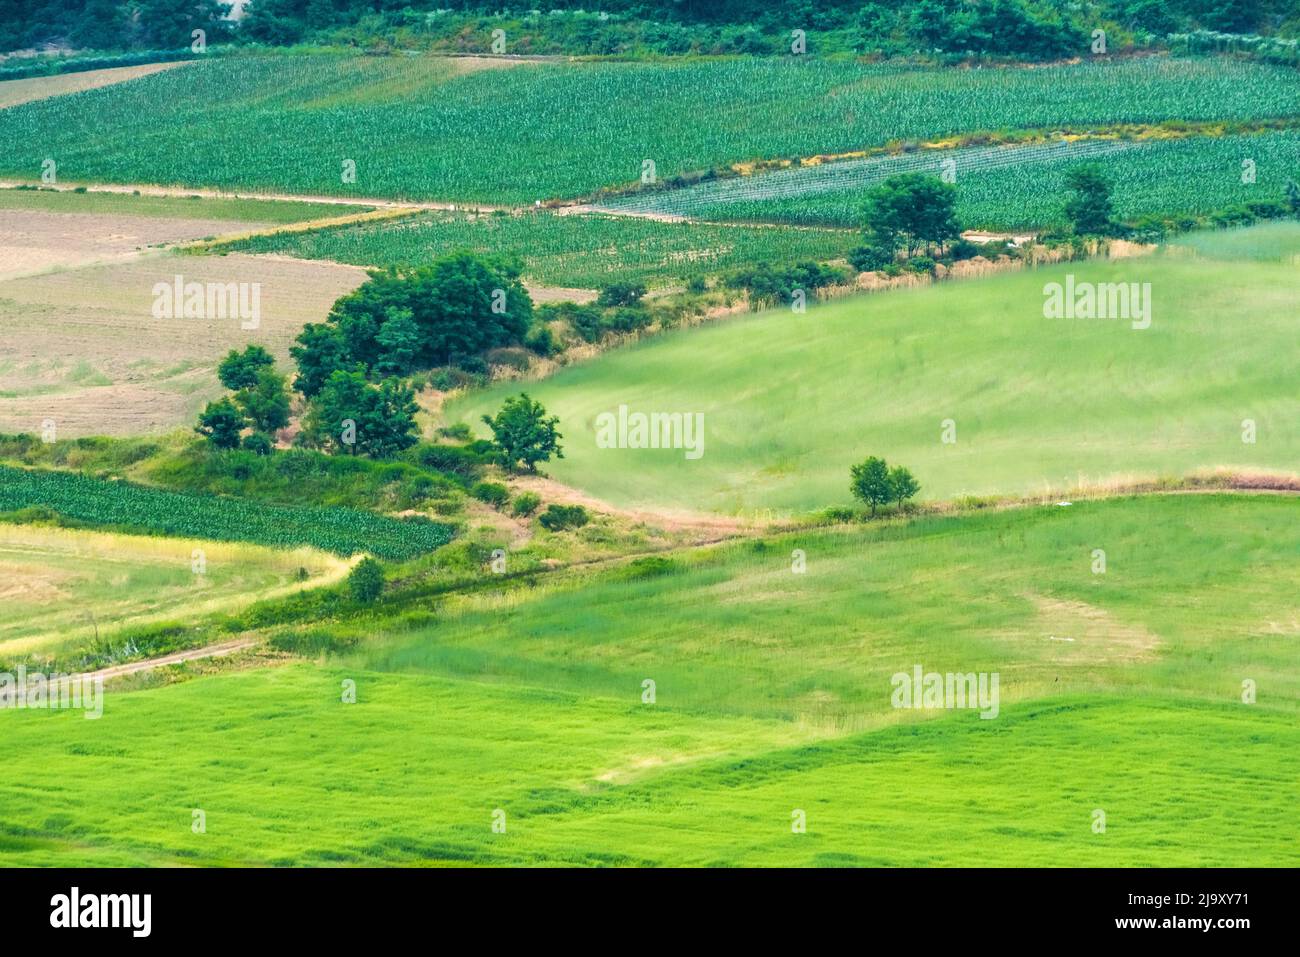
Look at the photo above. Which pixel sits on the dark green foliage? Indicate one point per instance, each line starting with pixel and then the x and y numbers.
pixel 768 283
pixel 351 415
pixel 1089 207
pixel 560 518
pixel 621 294
pixel 870 256
pixel 876 484
pixel 525 504
pixel 319 352
pixel 265 402
pixel 366 580
pixel 258 443
pixel 911 211
pixel 239 370
pixel 491 493
pixel 221 423
pixel 522 432
pixel 143 509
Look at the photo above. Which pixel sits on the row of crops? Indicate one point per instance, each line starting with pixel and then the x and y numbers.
pixel 587 252
pixel 137 508
pixel 420 127
pixel 1006 187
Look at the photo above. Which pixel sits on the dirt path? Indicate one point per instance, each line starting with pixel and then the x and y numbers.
pixel 147 189
pixel 220 650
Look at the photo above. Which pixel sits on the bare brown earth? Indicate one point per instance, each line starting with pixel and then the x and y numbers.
pixel 82 348
pixel 35 241
pixel 14 92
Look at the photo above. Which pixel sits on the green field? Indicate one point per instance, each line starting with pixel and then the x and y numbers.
pixel 772 695
pixel 63 587
pixel 1039 405
pixel 1026 188
pixel 582 251
pixel 137 508
pixel 424 128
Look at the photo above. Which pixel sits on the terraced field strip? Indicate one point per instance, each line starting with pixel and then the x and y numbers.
pixel 855 174
pixel 125 506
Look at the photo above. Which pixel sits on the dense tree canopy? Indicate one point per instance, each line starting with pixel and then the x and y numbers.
pixel 402 320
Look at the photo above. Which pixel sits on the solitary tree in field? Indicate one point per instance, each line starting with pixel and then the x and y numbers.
pixel 871 482
pixel 1089 209
pixel 876 484
pixel 366 580
pixel 522 432
pixel 912 211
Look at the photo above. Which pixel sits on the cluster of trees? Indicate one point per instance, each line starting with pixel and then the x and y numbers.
pixel 111 24
pixel 876 484
pixel 260 403
pixel 400 321
pixel 1022 29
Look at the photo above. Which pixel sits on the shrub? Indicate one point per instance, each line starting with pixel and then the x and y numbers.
pixel 870 257
pixel 526 503
pixel 452 459
pixel 366 580
pixel 621 294
pixel 491 493
pixel 920 264
pixel 627 319
pixel 559 518
pixel 258 444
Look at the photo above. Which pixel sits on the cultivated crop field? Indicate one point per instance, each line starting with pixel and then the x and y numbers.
pixel 421 129
pixel 1003 187
pixel 137 508
pixel 1038 406
pixel 560 250
pixel 674 452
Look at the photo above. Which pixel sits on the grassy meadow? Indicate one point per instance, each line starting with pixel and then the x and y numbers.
pixel 1038 405
pixel 62 587
pixel 531 703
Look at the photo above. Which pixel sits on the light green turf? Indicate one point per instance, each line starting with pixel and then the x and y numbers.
pixel 63 587
pixel 532 704
pixel 1197 595
pixel 790 400
pixel 413 772
pixel 171 207
pixel 1266 242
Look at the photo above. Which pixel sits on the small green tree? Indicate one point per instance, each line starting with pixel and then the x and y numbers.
pixel 1089 209
pixel 366 580
pixel 352 415
pixel 522 432
pixel 221 423
pixel 266 401
pixel 903 484
pixel 319 352
pixel 399 340
pixel 1293 197
pixel 239 370
pixel 871 483
pixel 911 211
